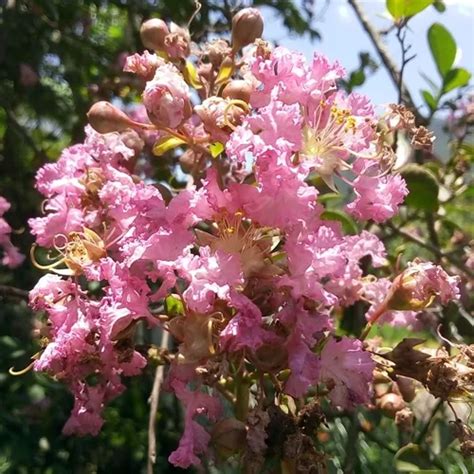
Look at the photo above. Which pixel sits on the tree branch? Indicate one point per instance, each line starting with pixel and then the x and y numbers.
pixel 386 59
pixel 154 401
pixel 13 293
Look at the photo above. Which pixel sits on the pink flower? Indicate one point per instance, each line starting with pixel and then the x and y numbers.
pixel 245 330
pixel 347 369
pixel 167 98
pixel 377 198
pixel 143 65
pixel 306 327
pixel 376 292
pixel 420 283
pixel 210 276
pixel 195 438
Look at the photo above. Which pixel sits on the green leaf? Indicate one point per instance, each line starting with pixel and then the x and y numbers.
pixel 443 48
pixel 348 225
pixel 422 186
pixel 173 305
pixel 166 144
pixel 405 8
pixel 458 77
pixel 430 101
pixel 439 5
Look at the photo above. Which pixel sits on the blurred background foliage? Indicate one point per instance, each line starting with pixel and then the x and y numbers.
pixel 57 58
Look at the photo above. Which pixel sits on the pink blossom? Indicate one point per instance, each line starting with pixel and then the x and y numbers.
pixel 143 65
pixel 167 98
pixel 376 292
pixel 195 438
pixel 245 330
pixel 210 276
pixel 347 368
pixel 377 198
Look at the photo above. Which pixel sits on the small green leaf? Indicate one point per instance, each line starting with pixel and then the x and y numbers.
pixel 173 305
pixel 430 101
pixel 348 225
pixel 216 149
pixel 458 77
pixel 166 144
pixel 422 186
pixel 405 8
pixel 443 48
pixel 439 5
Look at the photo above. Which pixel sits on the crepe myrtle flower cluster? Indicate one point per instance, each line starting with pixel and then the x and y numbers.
pixel 254 268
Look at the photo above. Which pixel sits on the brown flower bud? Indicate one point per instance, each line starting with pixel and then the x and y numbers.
pixel 153 33
pixel 247 26
pixel 407 388
pixel 228 437
pixel 390 403
pixel 105 117
pixel 237 89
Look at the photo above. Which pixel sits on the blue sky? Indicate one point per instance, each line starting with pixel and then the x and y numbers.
pixel 343 38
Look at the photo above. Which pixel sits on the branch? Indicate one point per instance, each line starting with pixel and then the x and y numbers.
pixel 154 401
pixel 386 59
pixel 14 293
pixel 435 250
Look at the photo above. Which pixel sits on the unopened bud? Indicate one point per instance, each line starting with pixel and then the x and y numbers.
pixel 228 437
pixel 247 26
pixel 407 388
pixel 153 33
pixel 237 89
pixel 105 118
pixel 390 403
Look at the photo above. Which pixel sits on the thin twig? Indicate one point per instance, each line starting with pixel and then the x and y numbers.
pixel 14 293
pixel 154 401
pixel 386 59
pixel 435 250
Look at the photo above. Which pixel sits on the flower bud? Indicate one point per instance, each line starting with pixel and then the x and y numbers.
pixel 228 437
pixel 153 33
pixel 407 388
pixel 418 286
pixel 247 26
pixel 390 403
pixel 237 89
pixel 105 118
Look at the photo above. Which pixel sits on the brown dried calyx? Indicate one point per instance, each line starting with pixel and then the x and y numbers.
pixel 465 435
pixel 445 376
pixel 401 118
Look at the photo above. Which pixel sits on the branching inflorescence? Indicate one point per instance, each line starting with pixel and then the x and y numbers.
pixel 243 266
